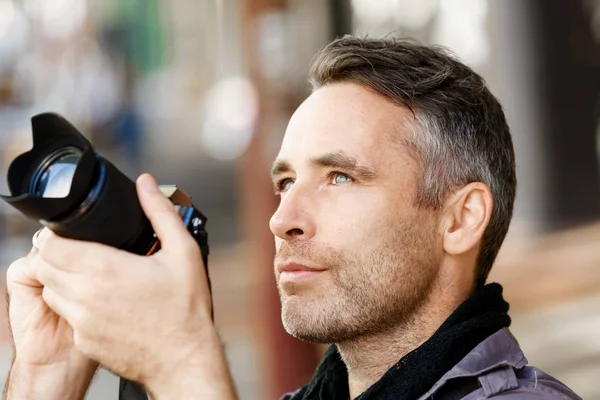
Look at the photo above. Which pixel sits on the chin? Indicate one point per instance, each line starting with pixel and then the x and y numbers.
pixel 311 322
pixel 297 317
pixel 305 333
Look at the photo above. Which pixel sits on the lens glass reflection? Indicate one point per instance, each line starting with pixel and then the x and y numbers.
pixel 54 177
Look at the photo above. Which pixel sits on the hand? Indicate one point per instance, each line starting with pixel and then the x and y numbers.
pixel 43 341
pixel 141 317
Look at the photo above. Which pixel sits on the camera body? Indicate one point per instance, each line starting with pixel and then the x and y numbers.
pixel 192 218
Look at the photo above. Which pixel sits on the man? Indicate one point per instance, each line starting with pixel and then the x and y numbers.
pixel 397 183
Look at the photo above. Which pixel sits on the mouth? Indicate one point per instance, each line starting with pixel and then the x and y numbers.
pixel 292 272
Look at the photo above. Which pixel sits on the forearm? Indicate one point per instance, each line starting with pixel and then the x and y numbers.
pixel 51 382
pixel 204 375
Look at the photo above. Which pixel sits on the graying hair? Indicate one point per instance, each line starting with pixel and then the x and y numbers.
pixel 460 133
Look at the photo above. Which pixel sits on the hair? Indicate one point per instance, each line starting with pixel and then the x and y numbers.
pixel 460 132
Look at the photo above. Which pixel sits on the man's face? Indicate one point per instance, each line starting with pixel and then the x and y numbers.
pixel 354 256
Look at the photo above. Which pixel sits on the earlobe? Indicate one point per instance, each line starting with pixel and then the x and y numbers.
pixel 467 215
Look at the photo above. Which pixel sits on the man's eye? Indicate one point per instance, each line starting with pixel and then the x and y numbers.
pixel 339 179
pixel 284 185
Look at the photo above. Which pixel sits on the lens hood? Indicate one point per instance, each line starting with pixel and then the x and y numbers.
pixel 101 204
pixel 51 132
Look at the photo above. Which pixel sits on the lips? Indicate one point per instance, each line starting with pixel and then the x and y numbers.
pixel 296 267
pixel 296 273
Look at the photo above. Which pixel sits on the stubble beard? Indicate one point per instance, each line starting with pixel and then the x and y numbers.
pixel 369 292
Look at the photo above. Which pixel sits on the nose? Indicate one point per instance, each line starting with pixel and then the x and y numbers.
pixel 294 216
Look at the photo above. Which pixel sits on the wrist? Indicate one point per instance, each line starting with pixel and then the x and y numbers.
pixel 204 374
pixel 63 380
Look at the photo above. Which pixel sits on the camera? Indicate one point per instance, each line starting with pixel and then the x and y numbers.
pixel 70 188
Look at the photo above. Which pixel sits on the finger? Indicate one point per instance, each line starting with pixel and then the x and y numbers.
pixel 76 256
pixel 61 306
pixel 22 273
pixel 60 281
pixel 162 215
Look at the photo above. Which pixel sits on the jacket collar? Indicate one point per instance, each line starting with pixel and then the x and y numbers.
pixel 498 350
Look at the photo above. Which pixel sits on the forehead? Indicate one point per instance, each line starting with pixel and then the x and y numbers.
pixel 346 117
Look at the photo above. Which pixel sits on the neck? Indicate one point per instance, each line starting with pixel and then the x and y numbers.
pixel 368 358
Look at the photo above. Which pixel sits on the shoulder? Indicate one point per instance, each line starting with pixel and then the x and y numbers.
pixel 534 384
pixel 540 393
pixel 501 369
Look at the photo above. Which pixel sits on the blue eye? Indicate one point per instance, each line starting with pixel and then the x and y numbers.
pixel 287 185
pixel 340 179
pixel 283 185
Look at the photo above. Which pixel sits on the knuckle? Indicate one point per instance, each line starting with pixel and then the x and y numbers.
pixel 46 253
pixel 81 343
pixel 77 339
pixel 161 207
pixel 43 273
pixel 14 268
pixel 82 292
pixel 103 269
pixel 47 296
pixel 165 211
pixel 46 238
pixel 80 318
pixel 45 241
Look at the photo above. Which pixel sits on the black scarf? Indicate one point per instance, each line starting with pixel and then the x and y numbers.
pixel 481 315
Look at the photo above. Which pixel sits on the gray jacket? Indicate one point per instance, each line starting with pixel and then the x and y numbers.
pixel 497 369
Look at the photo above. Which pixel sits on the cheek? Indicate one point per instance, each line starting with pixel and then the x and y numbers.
pixel 355 219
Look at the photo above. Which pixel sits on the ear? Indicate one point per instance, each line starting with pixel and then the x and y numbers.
pixel 466 215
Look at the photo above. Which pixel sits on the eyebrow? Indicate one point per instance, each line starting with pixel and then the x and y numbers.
pixel 337 160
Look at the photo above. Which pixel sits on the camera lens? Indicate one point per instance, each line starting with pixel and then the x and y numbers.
pixel 63 183
pixel 54 176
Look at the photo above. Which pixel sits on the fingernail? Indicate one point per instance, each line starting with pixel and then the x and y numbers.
pixel 148 183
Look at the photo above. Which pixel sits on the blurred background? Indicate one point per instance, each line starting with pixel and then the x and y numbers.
pixel 199 93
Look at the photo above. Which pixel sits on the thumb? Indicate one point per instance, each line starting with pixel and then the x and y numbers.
pixel 161 212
